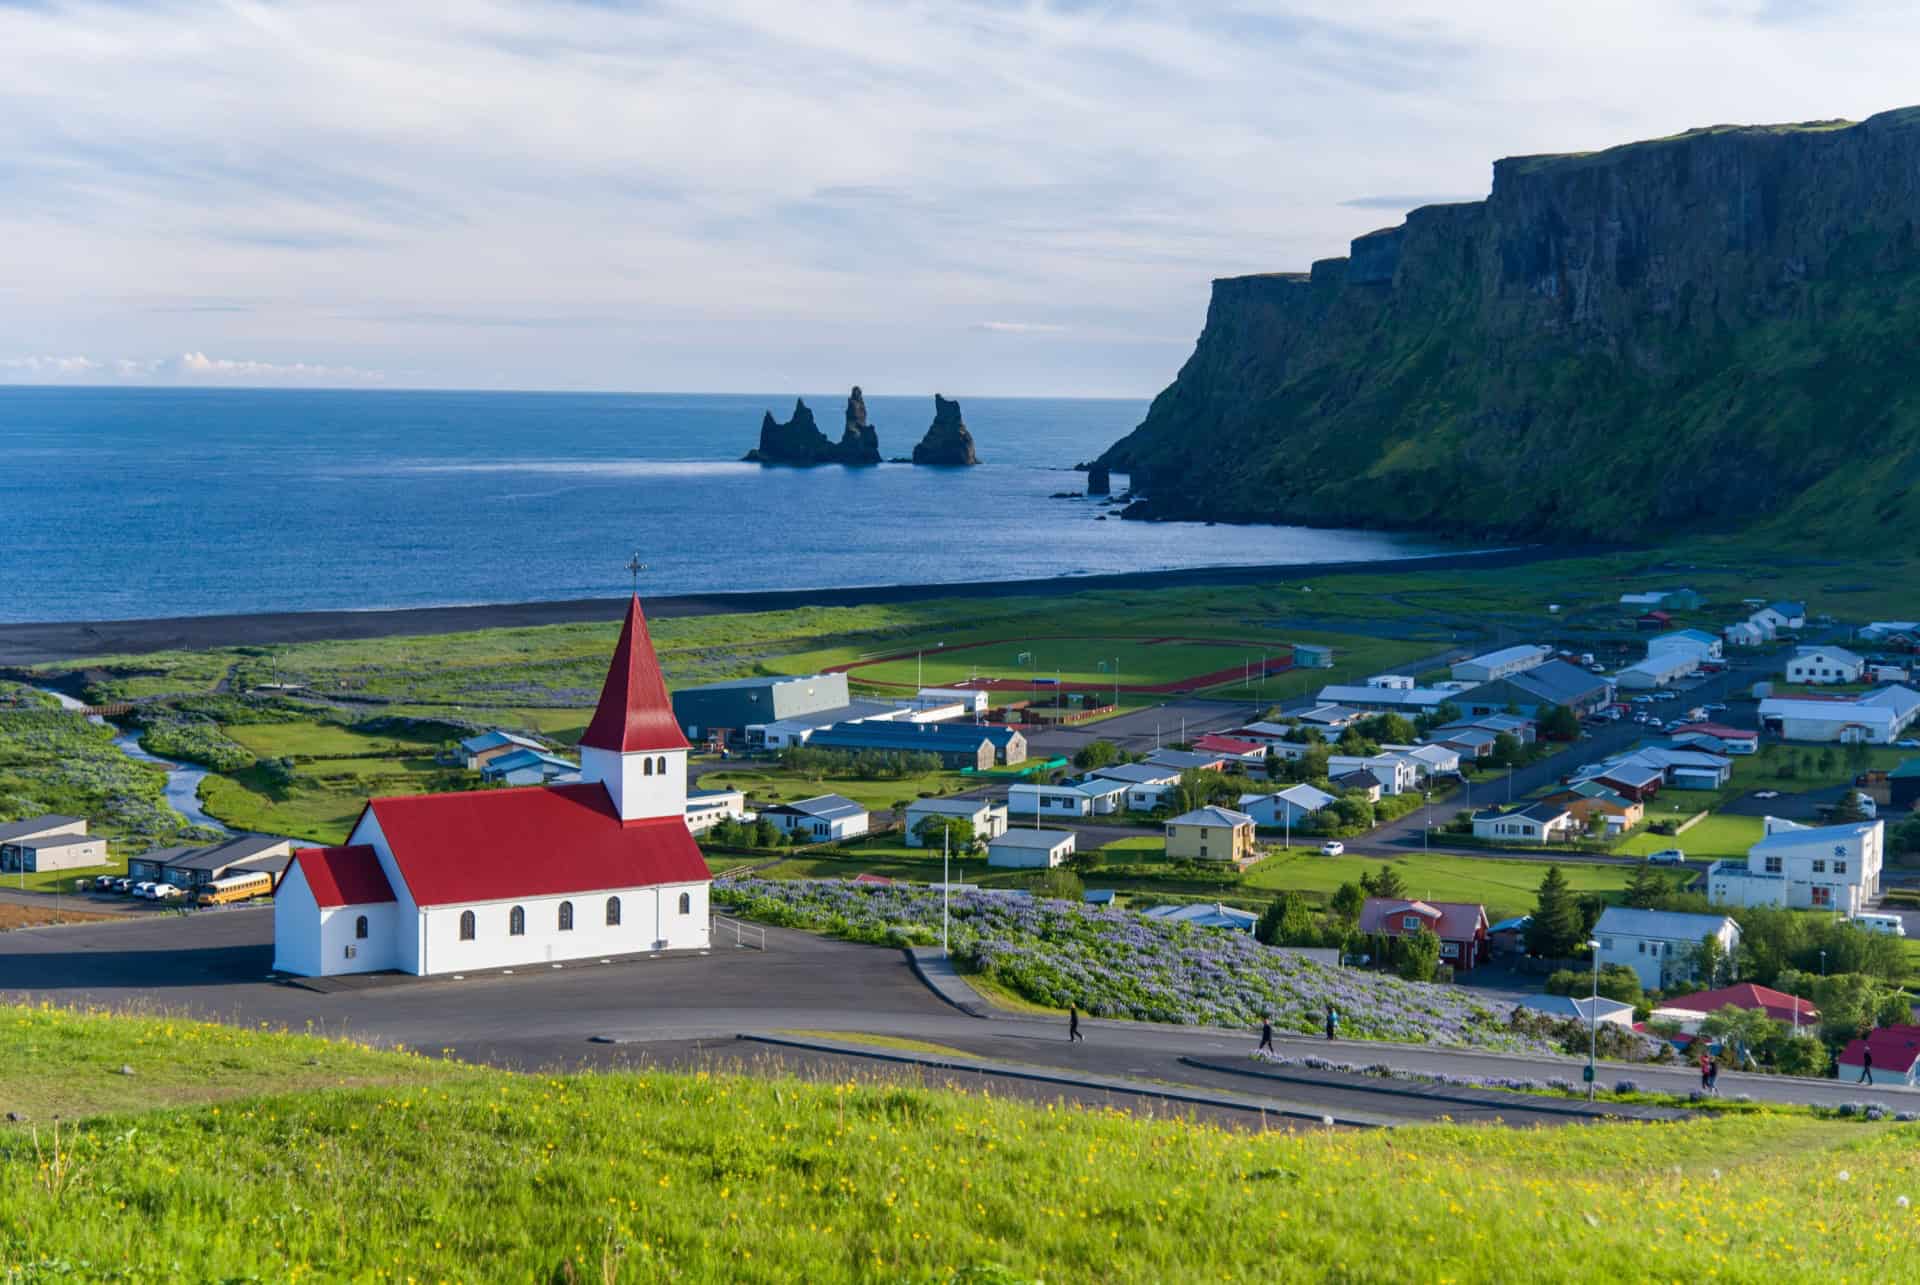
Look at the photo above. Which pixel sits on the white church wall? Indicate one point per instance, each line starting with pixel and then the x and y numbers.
pixel 650 784
pixel 650 919
pixel 405 934
pixel 296 926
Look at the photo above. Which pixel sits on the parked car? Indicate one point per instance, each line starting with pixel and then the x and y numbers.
pixel 1667 857
pixel 1908 744
pixel 1643 700
pixel 103 883
pixel 123 884
pixel 1714 709
pixel 1766 794
pixel 1332 848
pixel 144 888
pixel 1598 669
pixel 167 892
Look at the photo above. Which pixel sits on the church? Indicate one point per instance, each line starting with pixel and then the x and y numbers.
pixel 449 883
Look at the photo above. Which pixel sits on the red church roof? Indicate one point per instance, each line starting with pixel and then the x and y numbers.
pixel 1778 1004
pixel 535 841
pixel 635 712
pixel 343 876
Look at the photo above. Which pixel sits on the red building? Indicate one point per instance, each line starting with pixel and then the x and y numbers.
pixel 1461 926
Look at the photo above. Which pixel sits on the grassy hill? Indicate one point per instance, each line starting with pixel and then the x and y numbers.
pixel 234 1154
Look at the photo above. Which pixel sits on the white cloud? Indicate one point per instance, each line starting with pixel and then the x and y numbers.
pixel 188 368
pixel 1019 328
pixel 49 367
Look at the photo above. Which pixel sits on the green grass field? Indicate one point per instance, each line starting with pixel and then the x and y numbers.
pixel 234 1154
pixel 1714 839
pixel 772 783
pixel 323 740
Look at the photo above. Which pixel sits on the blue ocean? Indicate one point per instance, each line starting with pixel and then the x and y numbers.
pixel 125 503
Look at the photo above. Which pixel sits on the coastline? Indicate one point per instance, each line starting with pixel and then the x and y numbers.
pixel 35 643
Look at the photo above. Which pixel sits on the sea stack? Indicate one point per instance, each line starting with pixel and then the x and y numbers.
pixel 1099 480
pixel 860 443
pixel 799 441
pixel 947 444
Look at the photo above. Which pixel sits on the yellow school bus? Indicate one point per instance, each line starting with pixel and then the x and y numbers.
pixel 234 888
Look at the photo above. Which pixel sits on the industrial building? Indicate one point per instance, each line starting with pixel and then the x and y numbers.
pixel 732 706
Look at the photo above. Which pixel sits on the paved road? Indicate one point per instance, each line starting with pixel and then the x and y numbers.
pixel 216 967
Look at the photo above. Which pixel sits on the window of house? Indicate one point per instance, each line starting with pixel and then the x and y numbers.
pixel 1820 866
pixel 660 765
pixel 1773 865
pixel 466 925
pixel 360 928
pixel 613 912
pixel 1606 943
pixel 517 922
pixel 1642 947
pixel 1839 867
pixel 1822 896
pixel 686 903
pixel 1410 922
pixel 566 916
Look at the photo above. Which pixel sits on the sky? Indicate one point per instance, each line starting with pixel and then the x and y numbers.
pixel 967 196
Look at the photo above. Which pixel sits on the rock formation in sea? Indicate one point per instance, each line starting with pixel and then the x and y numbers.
pixel 947 444
pixel 1099 480
pixel 799 441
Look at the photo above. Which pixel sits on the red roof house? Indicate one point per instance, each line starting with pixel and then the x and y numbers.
pixel 1461 926
pixel 1894 1050
pixel 1778 1005
pixel 349 876
pixel 1215 743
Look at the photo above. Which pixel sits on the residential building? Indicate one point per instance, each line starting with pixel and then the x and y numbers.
pixel 1699 641
pixel 461 882
pixel 1023 847
pixel 1688 1011
pixel 1009 743
pixel 1231 747
pixel 1589 799
pixel 1399 700
pixel 1330 717
pixel 989 819
pixel 1779 616
pixel 475 752
pixel 49 842
pixel 1639 773
pixel 191 867
pixel 1147 784
pixel 1312 656
pixel 1744 633
pixel 1829 867
pixel 1661 669
pixel 1461 926
pixel 1284 808
pixel 1430 760
pixel 1468 742
pixel 1822 665
pixel 1581 1008
pixel 1026 800
pixel 1358 781
pixel 708 808
pixel 1877 718
pixel 1218 915
pixel 522 766
pixel 1895 1050
pixel 1660 945
pixel 1211 834
pixel 41 827
pixel 1541 822
pixel 1717 738
pixel 1495 723
pixel 734 705
pixel 1266 734
pixel 1187 760
pixel 1531 691
pixel 1395 774
pixel 955 745
pixel 1502 664
pixel 824 818
pixel 1889 631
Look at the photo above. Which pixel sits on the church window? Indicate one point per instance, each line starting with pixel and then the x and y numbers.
pixel 360 928
pixel 686 903
pixel 466 925
pixel 517 922
pixel 613 912
pixel 566 916
pixel 646 767
pixel 661 765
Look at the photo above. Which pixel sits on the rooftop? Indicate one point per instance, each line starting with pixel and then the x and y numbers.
pixel 1212 815
pixel 1668 925
pixel 1047 839
pixel 11 831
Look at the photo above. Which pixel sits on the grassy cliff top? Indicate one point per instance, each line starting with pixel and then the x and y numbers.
pixel 1549 160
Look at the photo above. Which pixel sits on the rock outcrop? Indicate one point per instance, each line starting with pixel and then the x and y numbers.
pixel 1701 333
pixel 799 441
pixel 1099 480
pixel 947 444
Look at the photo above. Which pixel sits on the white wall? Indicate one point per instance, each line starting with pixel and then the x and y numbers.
pixel 1004 854
pixel 639 785
pixel 650 920
pixel 312 942
pixel 296 926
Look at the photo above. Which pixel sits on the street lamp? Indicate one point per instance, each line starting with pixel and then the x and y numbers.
pixel 1426 818
pixel 1823 963
pixel 946 883
pixel 1593 1018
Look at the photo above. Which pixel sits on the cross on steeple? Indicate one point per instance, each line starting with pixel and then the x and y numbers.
pixel 634 568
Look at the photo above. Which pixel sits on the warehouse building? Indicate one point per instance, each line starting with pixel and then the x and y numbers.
pixel 1501 664
pixel 732 706
pixel 1878 718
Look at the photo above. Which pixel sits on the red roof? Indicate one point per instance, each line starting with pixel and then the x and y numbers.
pixel 1894 1049
pixel 635 712
pixel 1720 730
pixel 535 841
pixel 343 876
pixel 1215 743
pixel 1778 1004
pixel 1451 920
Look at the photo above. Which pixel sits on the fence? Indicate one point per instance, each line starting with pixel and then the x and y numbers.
pixel 745 936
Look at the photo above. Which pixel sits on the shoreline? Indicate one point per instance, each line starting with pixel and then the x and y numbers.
pixel 35 643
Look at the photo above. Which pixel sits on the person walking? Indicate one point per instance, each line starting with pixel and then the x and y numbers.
pixel 1713 1076
pixel 1706 1072
pixel 1333 1020
pixel 1073 1023
pixel 1266 1033
pixel 1866 1066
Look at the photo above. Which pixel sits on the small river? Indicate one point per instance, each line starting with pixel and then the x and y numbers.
pixel 183 781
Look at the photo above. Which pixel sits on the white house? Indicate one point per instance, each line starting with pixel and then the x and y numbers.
pixel 1658 670
pixel 1659 945
pixel 1025 801
pixel 824 818
pixel 1699 641
pixel 970 701
pixel 1042 848
pixel 1828 867
pixel 1429 760
pixel 458 882
pixel 1780 615
pixel 1824 665
pixel 1534 823
pixel 1202 915
pixel 1405 700
pixel 989 819
pixel 1744 633
pixel 1147 784
pixel 707 808
pixel 1878 718
pixel 1288 807
pixel 529 767
pixel 1581 1008
pixel 1501 664
pixel 1395 773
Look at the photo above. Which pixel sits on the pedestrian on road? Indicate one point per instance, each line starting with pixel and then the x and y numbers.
pixel 1333 1020
pixel 1713 1075
pixel 1266 1033
pixel 1866 1067
pixel 1706 1072
pixel 1073 1023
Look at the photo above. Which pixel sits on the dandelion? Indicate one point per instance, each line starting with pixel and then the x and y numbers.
pixel 1844 1176
pixel 1901 1201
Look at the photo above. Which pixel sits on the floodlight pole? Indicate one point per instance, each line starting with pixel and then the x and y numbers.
pixel 946 884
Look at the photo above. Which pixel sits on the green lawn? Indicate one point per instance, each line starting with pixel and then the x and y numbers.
pixel 326 795
pixel 60 880
pixel 1506 887
pixel 773 783
pixel 1716 838
pixel 322 740
pixel 349 1164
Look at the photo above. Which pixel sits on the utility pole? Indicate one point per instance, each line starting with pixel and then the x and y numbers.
pixel 946 883
pixel 1593 1019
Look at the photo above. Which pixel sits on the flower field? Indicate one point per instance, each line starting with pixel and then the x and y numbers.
pixel 1114 963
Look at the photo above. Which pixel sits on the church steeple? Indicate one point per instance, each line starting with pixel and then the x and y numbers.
pixel 635 712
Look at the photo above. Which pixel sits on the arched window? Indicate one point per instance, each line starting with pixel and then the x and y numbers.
pixel 466 925
pixel 566 916
pixel 613 912
pixel 646 767
pixel 686 903
pixel 661 765
pixel 517 922
pixel 360 928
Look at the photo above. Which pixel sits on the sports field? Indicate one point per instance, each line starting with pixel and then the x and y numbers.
pixel 1137 664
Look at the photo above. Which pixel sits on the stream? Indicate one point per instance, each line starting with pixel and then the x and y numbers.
pixel 183 780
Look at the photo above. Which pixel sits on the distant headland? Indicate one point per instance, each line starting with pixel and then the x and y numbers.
pixel 799 442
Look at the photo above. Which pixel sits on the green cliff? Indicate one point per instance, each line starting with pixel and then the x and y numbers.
pixel 1714 332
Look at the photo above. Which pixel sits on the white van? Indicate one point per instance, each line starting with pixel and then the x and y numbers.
pixel 1890 925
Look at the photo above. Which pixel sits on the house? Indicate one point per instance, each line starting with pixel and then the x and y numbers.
pixel 1829 867
pixel 989 819
pixel 733 706
pixel 1217 915
pixel 1232 747
pixel 1894 1049
pixel 1266 734
pixel 1820 665
pixel 1660 945
pixel 1026 801
pixel 1717 738
pixel 1541 822
pixel 1395 774
pixel 1659 669
pixel 970 700
pixel 477 751
pixel 1400 700
pixel 1467 742
pixel 1589 799
pixel 1501 664
pixel 1042 848
pixel 1312 656
pixel 1903 787
pixel 1461 926
pixel 955 745
pixel 1744 633
pixel 522 766
pixel 532 875
pixel 1877 718
pixel 1628 777
pixel 1211 834
pixel 49 842
pixel 1187 760
pixel 1876 672
pixel 1494 723
pixel 1639 773
pixel 1358 781
pixel 1286 808
pixel 1779 616
pixel 824 818
pixel 1889 631
pixel 1584 1009
pixel 192 867
pixel 41 827
pixel 1147 785
pixel 785 733
pixel 1652 620
pixel 1509 936
pixel 708 808
pixel 1009 743
pixel 1330 718
pixel 1688 1011
pixel 1531 691
pixel 1429 760
pixel 1698 641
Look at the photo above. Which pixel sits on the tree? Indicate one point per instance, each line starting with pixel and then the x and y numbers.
pixel 1272 764
pixel 1904 839
pixel 1392 729
pixel 1859 757
pixel 1799 1055
pixel 1310 766
pixel 1084 861
pixel 1347 901
pixel 1442 714
pixel 1849 808
pixel 1354 743
pixel 955 831
pixel 1746 1030
pixel 1063 884
pixel 1710 961
pixel 765 833
pixel 1558 723
pixel 1555 932
pixel 1645 887
pixel 1096 754
pixel 1419 956
pixel 1507 751
pixel 1386 884
pixel 1287 921
pixel 1351 812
